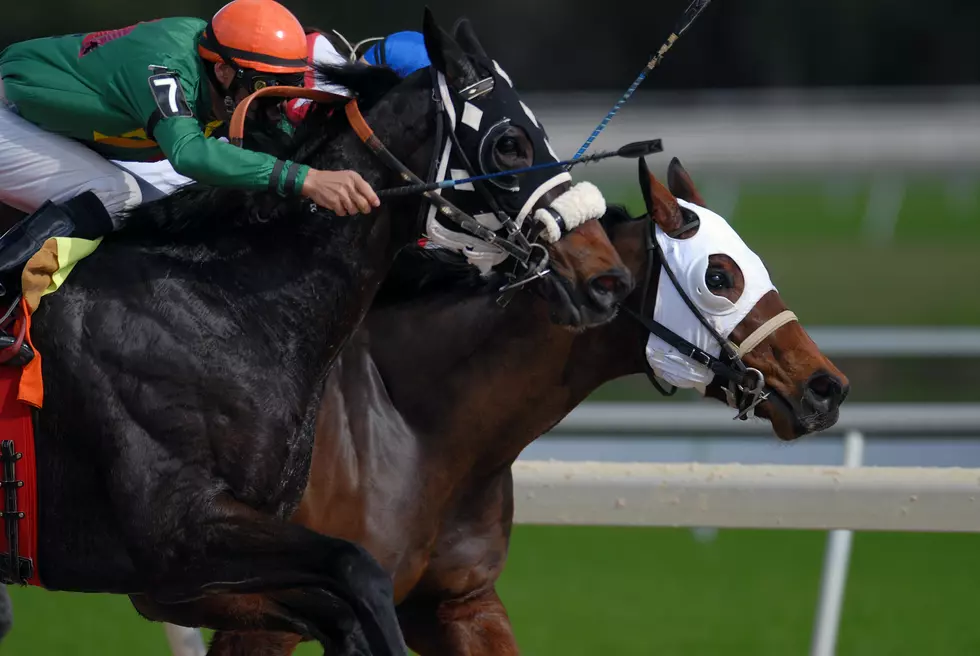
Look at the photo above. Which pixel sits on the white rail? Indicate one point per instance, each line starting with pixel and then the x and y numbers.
pixel 680 418
pixel 747 496
pixel 897 341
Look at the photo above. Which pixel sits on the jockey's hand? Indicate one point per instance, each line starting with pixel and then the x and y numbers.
pixel 342 192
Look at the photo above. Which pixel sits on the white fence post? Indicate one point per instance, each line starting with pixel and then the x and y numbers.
pixel 185 641
pixel 836 559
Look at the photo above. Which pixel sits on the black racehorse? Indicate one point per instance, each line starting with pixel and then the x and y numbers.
pixel 186 358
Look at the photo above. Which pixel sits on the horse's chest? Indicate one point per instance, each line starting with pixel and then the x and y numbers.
pixel 389 510
pixel 413 566
pixel 402 534
pixel 399 533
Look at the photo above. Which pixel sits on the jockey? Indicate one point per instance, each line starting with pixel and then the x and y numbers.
pixel 144 93
pixel 403 52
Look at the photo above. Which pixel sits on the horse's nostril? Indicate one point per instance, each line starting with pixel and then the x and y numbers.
pixel 609 288
pixel 823 386
pixel 824 392
pixel 606 283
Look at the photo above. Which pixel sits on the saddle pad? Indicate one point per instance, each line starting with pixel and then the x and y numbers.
pixel 48 269
pixel 16 424
pixel 44 274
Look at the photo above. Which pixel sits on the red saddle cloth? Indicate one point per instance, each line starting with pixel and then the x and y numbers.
pixel 20 393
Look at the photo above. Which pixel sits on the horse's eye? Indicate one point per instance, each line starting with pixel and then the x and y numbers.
pixel 718 279
pixel 507 146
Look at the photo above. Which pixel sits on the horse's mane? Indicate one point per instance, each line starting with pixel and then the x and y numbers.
pixel 614 216
pixel 198 211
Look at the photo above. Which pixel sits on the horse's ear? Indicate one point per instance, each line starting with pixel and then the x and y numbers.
pixel 661 204
pixel 681 185
pixel 466 36
pixel 446 55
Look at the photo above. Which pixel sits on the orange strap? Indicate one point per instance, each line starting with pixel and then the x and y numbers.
pixel 31 390
pixel 358 122
pixel 236 131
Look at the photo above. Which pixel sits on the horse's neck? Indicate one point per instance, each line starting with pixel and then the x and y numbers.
pixel 348 270
pixel 478 383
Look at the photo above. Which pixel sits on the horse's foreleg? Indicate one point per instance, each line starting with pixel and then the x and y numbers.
pixel 246 625
pixel 226 547
pixel 251 643
pixel 454 609
pixel 476 625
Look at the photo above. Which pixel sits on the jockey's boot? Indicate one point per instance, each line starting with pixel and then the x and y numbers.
pixel 83 216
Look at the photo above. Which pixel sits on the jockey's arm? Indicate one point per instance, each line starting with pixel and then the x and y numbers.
pixel 161 101
pixel 171 101
pixel 219 163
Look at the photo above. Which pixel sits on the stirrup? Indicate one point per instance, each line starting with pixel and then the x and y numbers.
pixel 14 349
pixel 14 353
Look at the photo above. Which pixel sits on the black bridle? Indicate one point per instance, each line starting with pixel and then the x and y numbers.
pixel 525 268
pixel 529 261
pixel 746 386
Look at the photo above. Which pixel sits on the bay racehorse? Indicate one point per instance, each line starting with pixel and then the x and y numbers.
pixel 185 362
pixel 440 390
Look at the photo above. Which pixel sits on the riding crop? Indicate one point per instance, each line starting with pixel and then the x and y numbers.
pixel 634 150
pixel 690 14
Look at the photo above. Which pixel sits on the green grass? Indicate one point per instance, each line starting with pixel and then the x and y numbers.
pixel 587 591
pixel 584 591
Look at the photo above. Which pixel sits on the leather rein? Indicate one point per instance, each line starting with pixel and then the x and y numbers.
pixel 364 132
pixel 746 385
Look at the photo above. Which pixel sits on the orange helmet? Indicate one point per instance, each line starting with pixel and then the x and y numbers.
pixel 259 35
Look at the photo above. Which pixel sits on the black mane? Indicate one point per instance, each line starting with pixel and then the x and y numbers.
pixel 614 216
pixel 369 83
pixel 200 211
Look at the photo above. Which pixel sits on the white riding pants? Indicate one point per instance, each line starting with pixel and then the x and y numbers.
pixel 37 166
